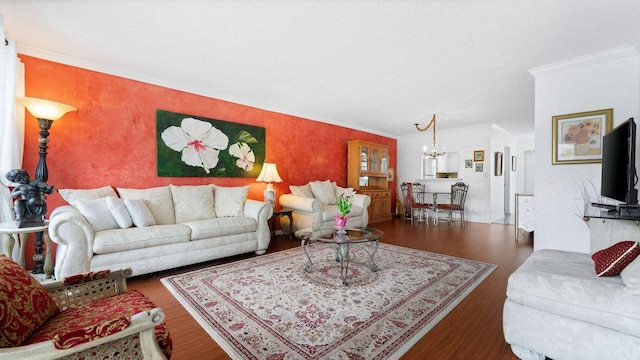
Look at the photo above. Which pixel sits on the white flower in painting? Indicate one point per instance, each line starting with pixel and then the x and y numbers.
pixel 199 142
pixel 245 155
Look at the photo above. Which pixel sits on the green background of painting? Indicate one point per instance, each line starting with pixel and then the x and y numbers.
pixel 169 160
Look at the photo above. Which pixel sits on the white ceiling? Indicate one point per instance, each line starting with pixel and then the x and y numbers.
pixel 378 66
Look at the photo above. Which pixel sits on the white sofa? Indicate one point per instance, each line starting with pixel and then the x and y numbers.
pixel 557 307
pixel 313 206
pixel 155 229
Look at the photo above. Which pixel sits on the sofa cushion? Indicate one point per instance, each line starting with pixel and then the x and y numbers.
pixel 612 260
pixel 119 212
pixel 139 212
pixel 324 191
pixel 193 202
pixel 97 319
pixel 229 201
pixel 97 213
pixel 219 227
pixel 340 190
pixel 563 283
pixel 112 241
pixel 72 196
pixel 303 190
pixel 24 304
pixel 158 200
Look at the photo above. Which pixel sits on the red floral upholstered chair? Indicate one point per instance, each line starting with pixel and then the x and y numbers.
pixel 86 316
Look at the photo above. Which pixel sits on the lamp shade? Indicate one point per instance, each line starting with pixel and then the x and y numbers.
pixel 269 173
pixel 45 109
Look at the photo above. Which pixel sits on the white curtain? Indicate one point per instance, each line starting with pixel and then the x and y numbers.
pixel 11 118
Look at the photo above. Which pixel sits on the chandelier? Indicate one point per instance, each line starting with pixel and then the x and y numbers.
pixel 434 153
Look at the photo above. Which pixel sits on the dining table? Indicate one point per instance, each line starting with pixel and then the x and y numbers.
pixel 433 196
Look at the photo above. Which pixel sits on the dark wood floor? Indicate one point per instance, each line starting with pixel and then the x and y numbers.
pixel 473 330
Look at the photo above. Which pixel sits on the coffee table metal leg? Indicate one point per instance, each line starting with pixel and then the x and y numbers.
pixel 371 250
pixel 343 255
pixel 307 267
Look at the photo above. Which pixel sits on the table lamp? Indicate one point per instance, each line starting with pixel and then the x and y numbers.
pixel 269 174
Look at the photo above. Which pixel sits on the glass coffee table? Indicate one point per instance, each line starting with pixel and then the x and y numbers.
pixel 365 238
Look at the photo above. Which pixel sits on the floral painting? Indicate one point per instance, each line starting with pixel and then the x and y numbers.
pixel 196 146
pixel 577 138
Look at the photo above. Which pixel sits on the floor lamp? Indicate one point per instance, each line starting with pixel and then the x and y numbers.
pixel 46 112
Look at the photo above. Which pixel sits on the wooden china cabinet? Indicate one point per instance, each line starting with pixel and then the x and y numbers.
pixel 367 166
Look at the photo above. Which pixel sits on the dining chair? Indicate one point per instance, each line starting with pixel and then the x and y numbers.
pixel 454 205
pixel 414 202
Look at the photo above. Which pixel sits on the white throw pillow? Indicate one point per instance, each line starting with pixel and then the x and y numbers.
pixel 631 277
pixel 324 191
pixel 72 196
pixel 193 202
pixel 158 201
pixel 119 212
pixel 229 201
pixel 97 213
pixel 345 191
pixel 303 190
pixel 139 212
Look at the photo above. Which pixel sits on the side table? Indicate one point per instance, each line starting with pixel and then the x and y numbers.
pixel 10 228
pixel 279 213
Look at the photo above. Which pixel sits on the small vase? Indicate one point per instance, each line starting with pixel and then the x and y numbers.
pixel 341 223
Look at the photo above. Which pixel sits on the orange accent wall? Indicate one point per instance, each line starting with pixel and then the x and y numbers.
pixel 110 140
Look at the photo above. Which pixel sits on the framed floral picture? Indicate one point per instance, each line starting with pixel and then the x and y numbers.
pixel 577 138
pixel 479 167
pixel 189 145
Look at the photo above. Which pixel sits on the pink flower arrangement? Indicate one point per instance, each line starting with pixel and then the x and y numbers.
pixel 344 204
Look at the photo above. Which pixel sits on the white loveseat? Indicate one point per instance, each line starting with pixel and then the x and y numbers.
pixel 557 307
pixel 313 206
pixel 155 229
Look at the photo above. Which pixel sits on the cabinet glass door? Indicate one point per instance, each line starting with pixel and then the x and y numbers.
pixel 384 161
pixel 374 161
pixel 364 159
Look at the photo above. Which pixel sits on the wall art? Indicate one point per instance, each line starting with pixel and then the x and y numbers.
pixel 577 138
pixel 190 145
pixel 498 163
pixel 468 163
pixel 479 167
pixel 478 155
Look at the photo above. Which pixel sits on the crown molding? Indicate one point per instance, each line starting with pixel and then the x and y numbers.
pixel 127 74
pixel 589 59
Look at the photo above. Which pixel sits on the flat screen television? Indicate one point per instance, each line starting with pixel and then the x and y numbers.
pixel 619 164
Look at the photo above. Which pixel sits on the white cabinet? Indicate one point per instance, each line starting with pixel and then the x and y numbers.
pixel 524 213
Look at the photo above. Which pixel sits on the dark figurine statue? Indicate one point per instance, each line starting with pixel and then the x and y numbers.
pixel 31 206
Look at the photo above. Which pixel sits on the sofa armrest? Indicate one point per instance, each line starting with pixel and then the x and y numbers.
pixel 261 212
pixel 363 201
pixel 307 212
pixel 74 236
pixel 92 286
pixel 142 324
pixel 300 203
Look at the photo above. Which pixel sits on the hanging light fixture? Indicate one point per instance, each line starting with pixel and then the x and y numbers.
pixel 434 153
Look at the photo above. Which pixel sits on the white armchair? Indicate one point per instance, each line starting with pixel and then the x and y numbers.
pixel 309 212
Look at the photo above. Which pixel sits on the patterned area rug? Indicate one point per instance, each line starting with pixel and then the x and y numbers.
pixel 268 307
